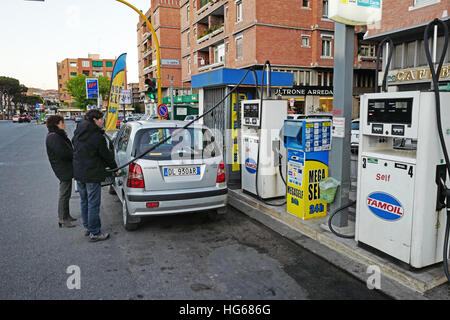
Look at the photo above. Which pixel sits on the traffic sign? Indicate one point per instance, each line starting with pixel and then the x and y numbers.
pixel 92 88
pixel 125 97
pixel 163 111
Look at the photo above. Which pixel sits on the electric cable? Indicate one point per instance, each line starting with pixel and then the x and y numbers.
pixel 388 63
pixel 179 130
pixel 331 218
pixel 435 74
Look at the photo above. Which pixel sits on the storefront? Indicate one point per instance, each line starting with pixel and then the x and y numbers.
pixel 307 100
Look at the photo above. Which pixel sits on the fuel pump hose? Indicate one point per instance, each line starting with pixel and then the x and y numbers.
pixel 435 80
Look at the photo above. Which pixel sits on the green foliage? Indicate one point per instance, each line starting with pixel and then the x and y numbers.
pixel 76 87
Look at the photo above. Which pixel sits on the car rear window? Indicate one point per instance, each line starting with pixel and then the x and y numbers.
pixel 193 143
pixel 355 125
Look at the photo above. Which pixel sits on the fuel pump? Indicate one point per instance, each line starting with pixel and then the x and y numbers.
pixel 261 122
pixel 403 172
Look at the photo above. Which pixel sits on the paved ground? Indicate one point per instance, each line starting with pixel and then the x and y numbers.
pixel 176 257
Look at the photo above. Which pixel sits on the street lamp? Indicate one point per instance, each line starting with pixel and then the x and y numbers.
pixel 158 54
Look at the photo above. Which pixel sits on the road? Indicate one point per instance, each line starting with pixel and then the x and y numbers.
pixel 174 257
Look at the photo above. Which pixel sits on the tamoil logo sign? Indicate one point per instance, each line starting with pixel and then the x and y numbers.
pixel 385 206
pixel 250 165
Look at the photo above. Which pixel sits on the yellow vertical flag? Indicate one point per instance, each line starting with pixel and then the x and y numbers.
pixel 117 82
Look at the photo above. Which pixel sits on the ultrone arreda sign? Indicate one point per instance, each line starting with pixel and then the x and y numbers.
pixel 305 91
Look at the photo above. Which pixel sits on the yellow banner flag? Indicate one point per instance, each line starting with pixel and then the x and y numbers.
pixel 117 83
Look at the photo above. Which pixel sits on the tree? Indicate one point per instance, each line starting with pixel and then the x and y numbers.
pixel 9 88
pixel 76 86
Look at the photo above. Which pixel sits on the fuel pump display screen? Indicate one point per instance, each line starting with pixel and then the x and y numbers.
pixel 251 110
pixel 251 114
pixel 390 111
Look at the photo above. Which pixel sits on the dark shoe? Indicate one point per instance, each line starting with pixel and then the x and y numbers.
pixel 65 224
pixel 98 237
pixel 86 232
pixel 70 218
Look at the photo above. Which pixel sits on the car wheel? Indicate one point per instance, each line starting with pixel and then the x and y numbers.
pixel 126 217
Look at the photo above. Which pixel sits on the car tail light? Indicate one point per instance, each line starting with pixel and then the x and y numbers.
pixel 152 204
pixel 135 176
pixel 221 173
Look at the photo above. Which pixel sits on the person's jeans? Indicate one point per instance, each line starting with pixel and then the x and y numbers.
pixel 65 190
pixel 90 195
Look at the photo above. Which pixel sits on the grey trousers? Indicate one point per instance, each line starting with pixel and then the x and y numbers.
pixel 65 190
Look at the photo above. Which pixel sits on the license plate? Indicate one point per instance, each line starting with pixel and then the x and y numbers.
pixel 182 171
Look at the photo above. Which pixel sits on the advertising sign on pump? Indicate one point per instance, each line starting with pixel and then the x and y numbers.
pixel 355 12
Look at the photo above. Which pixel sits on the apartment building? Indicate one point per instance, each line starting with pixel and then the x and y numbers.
pixel 164 15
pixel 92 66
pixel 296 36
pixel 404 22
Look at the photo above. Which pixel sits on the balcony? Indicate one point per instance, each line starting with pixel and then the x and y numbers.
pixel 211 33
pixel 211 66
pixel 208 6
pixel 146 53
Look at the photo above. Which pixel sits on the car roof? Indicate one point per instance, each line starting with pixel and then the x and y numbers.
pixel 162 124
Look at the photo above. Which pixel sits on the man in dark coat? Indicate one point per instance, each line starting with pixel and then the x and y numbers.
pixel 60 154
pixel 90 160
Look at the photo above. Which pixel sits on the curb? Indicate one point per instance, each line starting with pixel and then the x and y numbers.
pixel 397 282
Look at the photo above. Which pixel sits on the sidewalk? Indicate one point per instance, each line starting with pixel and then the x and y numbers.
pixel 397 280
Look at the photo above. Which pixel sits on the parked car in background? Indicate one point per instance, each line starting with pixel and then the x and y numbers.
pixel 78 118
pixel 190 117
pixel 119 121
pixel 354 136
pixel 15 118
pixel 184 174
pixel 67 117
pixel 24 118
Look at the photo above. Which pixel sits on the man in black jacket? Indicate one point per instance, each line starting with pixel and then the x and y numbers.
pixel 91 157
pixel 60 154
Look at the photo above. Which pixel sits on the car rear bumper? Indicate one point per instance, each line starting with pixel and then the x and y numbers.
pixel 174 203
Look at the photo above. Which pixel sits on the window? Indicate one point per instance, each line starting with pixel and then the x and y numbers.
pixel 59 77
pixel 109 64
pixel 326 47
pixel 219 53
pixel 86 73
pixel 325 8
pixel 85 64
pixel 187 12
pixel 239 47
pixel 189 66
pixel 305 41
pixel 307 78
pixel 305 3
pixel 410 54
pixel 367 51
pixel 238 11
pixel 195 33
pixel 398 57
pixel 97 64
pixel 73 74
pixel 73 64
pixel 188 35
pixel 192 143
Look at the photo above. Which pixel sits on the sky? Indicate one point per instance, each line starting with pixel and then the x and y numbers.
pixel 35 35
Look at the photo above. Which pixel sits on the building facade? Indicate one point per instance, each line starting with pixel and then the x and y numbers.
pixel 405 22
pixel 295 36
pixel 92 66
pixel 164 15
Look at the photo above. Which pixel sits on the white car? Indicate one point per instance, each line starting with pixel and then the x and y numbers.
pixel 354 140
pixel 184 174
pixel 15 118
